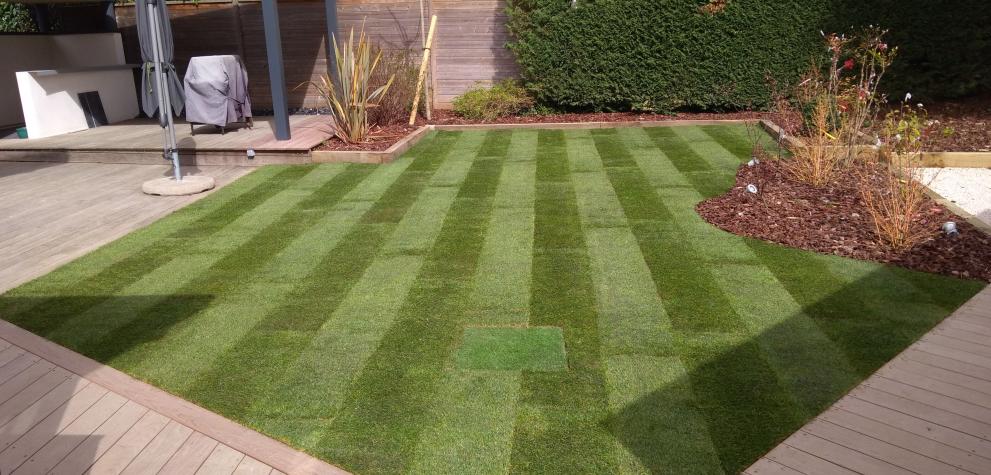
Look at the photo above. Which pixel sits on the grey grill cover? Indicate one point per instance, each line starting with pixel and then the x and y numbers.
pixel 217 90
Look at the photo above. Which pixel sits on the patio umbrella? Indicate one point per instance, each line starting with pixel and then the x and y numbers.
pixel 161 89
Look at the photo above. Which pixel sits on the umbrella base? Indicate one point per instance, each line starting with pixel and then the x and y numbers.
pixel 190 185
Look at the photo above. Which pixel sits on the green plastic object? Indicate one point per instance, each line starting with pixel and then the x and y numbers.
pixel 22 132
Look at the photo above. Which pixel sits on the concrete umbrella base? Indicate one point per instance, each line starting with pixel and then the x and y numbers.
pixel 190 185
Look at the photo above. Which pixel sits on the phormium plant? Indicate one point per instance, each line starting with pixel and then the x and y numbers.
pixel 350 100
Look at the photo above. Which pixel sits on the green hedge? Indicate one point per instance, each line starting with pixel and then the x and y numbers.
pixel 944 46
pixel 664 55
pixel 15 18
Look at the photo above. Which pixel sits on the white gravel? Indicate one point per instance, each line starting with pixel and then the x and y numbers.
pixel 969 188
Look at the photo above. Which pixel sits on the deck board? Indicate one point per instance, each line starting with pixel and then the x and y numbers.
pixel 140 141
pixel 927 411
pixel 67 414
pixel 51 214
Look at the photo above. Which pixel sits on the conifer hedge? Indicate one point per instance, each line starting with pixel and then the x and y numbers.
pixel 663 55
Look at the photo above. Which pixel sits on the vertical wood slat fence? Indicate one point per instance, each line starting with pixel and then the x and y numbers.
pixel 469 45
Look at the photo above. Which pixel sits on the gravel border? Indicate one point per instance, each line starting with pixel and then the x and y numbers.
pixel 968 188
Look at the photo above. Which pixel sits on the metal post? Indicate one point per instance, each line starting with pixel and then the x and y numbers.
pixel 330 11
pixel 109 18
pixel 162 83
pixel 276 71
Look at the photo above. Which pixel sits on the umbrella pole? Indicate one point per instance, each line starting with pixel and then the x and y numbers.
pixel 162 84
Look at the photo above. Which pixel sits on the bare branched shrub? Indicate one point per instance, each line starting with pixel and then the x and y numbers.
pixel 402 65
pixel 839 104
pixel 892 192
pixel 820 160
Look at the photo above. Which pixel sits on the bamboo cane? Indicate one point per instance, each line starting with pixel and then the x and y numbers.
pixel 423 69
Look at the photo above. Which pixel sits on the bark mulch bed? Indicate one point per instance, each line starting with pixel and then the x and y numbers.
pixel 446 117
pixel 834 220
pixel 381 138
pixel 384 137
pixel 970 120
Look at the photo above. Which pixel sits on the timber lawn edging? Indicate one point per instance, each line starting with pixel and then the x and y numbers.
pixel 929 159
pixel 396 150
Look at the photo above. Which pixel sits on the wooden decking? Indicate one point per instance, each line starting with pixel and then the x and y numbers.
pixel 51 213
pixel 63 413
pixel 140 141
pixel 928 411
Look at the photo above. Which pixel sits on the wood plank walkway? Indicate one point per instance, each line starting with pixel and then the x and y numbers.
pixel 63 413
pixel 140 141
pixel 51 214
pixel 927 411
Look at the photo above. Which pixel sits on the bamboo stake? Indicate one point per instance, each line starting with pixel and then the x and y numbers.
pixel 423 69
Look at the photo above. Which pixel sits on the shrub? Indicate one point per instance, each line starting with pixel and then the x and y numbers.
pixel 15 18
pixel 394 107
pixel 693 54
pixel 839 103
pixel 889 186
pixel 945 46
pixel 502 99
pixel 661 55
pixel 350 100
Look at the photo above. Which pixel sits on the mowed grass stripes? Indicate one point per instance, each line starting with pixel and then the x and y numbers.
pixel 328 306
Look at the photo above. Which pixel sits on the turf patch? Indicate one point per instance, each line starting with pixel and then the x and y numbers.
pixel 536 348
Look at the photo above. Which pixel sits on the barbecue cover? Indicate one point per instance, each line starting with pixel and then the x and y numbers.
pixel 217 90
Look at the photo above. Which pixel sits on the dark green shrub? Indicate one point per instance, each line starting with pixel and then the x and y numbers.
pixel 15 18
pixel 489 103
pixel 944 47
pixel 663 55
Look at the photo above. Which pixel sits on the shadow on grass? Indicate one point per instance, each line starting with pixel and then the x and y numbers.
pixel 98 326
pixel 748 401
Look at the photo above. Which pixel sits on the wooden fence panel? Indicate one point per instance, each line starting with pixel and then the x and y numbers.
pixel 469 47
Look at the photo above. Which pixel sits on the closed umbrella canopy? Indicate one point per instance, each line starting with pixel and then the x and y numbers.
pixel 160 86
pixel 149 87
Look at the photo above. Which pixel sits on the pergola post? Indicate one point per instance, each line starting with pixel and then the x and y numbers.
pixel 330 10
pixel 276 70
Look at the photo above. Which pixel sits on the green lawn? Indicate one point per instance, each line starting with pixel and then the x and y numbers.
pixel 503 301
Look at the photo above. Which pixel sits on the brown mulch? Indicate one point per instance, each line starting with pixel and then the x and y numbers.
pixel 970 120
pixel 381 138
pixel 384 137
pixel 834 220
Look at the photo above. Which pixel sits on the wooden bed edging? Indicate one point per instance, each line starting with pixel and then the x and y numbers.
pixel 400 147
pixel 590 125
pixel 371 156
pixel 956 209
pixel 929 159
pixel 238 437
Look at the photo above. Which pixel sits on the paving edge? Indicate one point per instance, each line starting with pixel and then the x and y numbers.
pixel 264 449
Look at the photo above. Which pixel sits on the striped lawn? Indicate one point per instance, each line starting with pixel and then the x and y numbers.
pixel 325 306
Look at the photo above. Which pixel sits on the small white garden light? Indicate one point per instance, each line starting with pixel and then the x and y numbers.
pixel 752 188
pixel 753 161
pixel 950 229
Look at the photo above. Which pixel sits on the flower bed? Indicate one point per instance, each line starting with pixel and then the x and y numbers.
pixel 834 219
